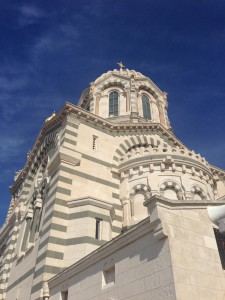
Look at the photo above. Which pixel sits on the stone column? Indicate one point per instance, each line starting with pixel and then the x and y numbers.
pixel 133 96
pixel 97 99
pixel 127 91
pixel 132 206
pixel 126 211
pixel 161 113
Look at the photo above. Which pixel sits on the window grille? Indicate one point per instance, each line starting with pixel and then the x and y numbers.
pixel 220 239
pixel 113 104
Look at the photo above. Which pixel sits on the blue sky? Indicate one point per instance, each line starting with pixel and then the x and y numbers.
pixel 51 50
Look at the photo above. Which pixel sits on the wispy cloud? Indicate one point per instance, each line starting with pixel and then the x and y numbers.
pixel 29 14
pixel 31 11
pixel 55 40
pixel 9 147
pixel 7 84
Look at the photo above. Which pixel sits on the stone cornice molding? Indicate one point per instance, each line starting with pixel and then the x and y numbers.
pixel 111 128
pixel 97 121
pixel 218 173
pixel 152 161
pixel 93 202
pixel 64 155
pixel 156 203
pixel 181 204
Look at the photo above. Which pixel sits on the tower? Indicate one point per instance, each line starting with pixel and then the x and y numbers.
pixel 98 173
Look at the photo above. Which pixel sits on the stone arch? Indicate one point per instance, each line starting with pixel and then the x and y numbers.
pixel 146 88
pixel 138 194
pixel 113 82
pixel 132 141
pixel 50 141
pixel 197 190
pixel 139 187
pixel 170 186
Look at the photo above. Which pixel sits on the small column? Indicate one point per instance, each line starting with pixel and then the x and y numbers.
pixel 97 99
pixel 133 95
pixel 161 113
pixel 132 207
pixel 189 196
pixel 127 91
pixel 126 215
pixel 27 229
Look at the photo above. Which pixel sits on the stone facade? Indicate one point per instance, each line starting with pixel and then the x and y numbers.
pixel 111 205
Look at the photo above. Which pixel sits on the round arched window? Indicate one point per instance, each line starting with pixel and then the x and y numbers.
pixel 113 103
pixel 146 107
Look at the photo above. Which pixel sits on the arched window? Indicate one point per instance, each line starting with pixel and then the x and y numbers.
pixel 113 103
pixel 139 211
pixel 146 107
pixel 171 190
pixel 198 193
pixel 170 193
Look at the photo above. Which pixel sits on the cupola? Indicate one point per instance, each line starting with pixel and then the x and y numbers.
pixel 122 95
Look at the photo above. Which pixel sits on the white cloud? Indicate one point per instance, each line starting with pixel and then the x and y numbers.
pixel 29 14
pixel 9 84
pixel 56 39
pixel 31 11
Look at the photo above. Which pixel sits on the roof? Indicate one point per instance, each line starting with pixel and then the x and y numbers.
pixel 123 72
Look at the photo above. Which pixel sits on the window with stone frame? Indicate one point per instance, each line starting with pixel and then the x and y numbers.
pixel 220 240
pixel 146 107
pixel 98 228
pixel 113 103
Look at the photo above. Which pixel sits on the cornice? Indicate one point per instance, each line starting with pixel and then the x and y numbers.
pixel 161 158
pixel 121 127
pixel 217 172
pixel 92 201
pixel 44 130
pixel 111 128
pixel 182 204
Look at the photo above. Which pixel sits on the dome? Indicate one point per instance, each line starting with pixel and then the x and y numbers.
pixel 122 72
pixel 118 95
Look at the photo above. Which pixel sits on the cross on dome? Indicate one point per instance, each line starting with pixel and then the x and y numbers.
pixel 121 65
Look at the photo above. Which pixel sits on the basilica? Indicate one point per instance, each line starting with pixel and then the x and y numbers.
pixel 111 204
